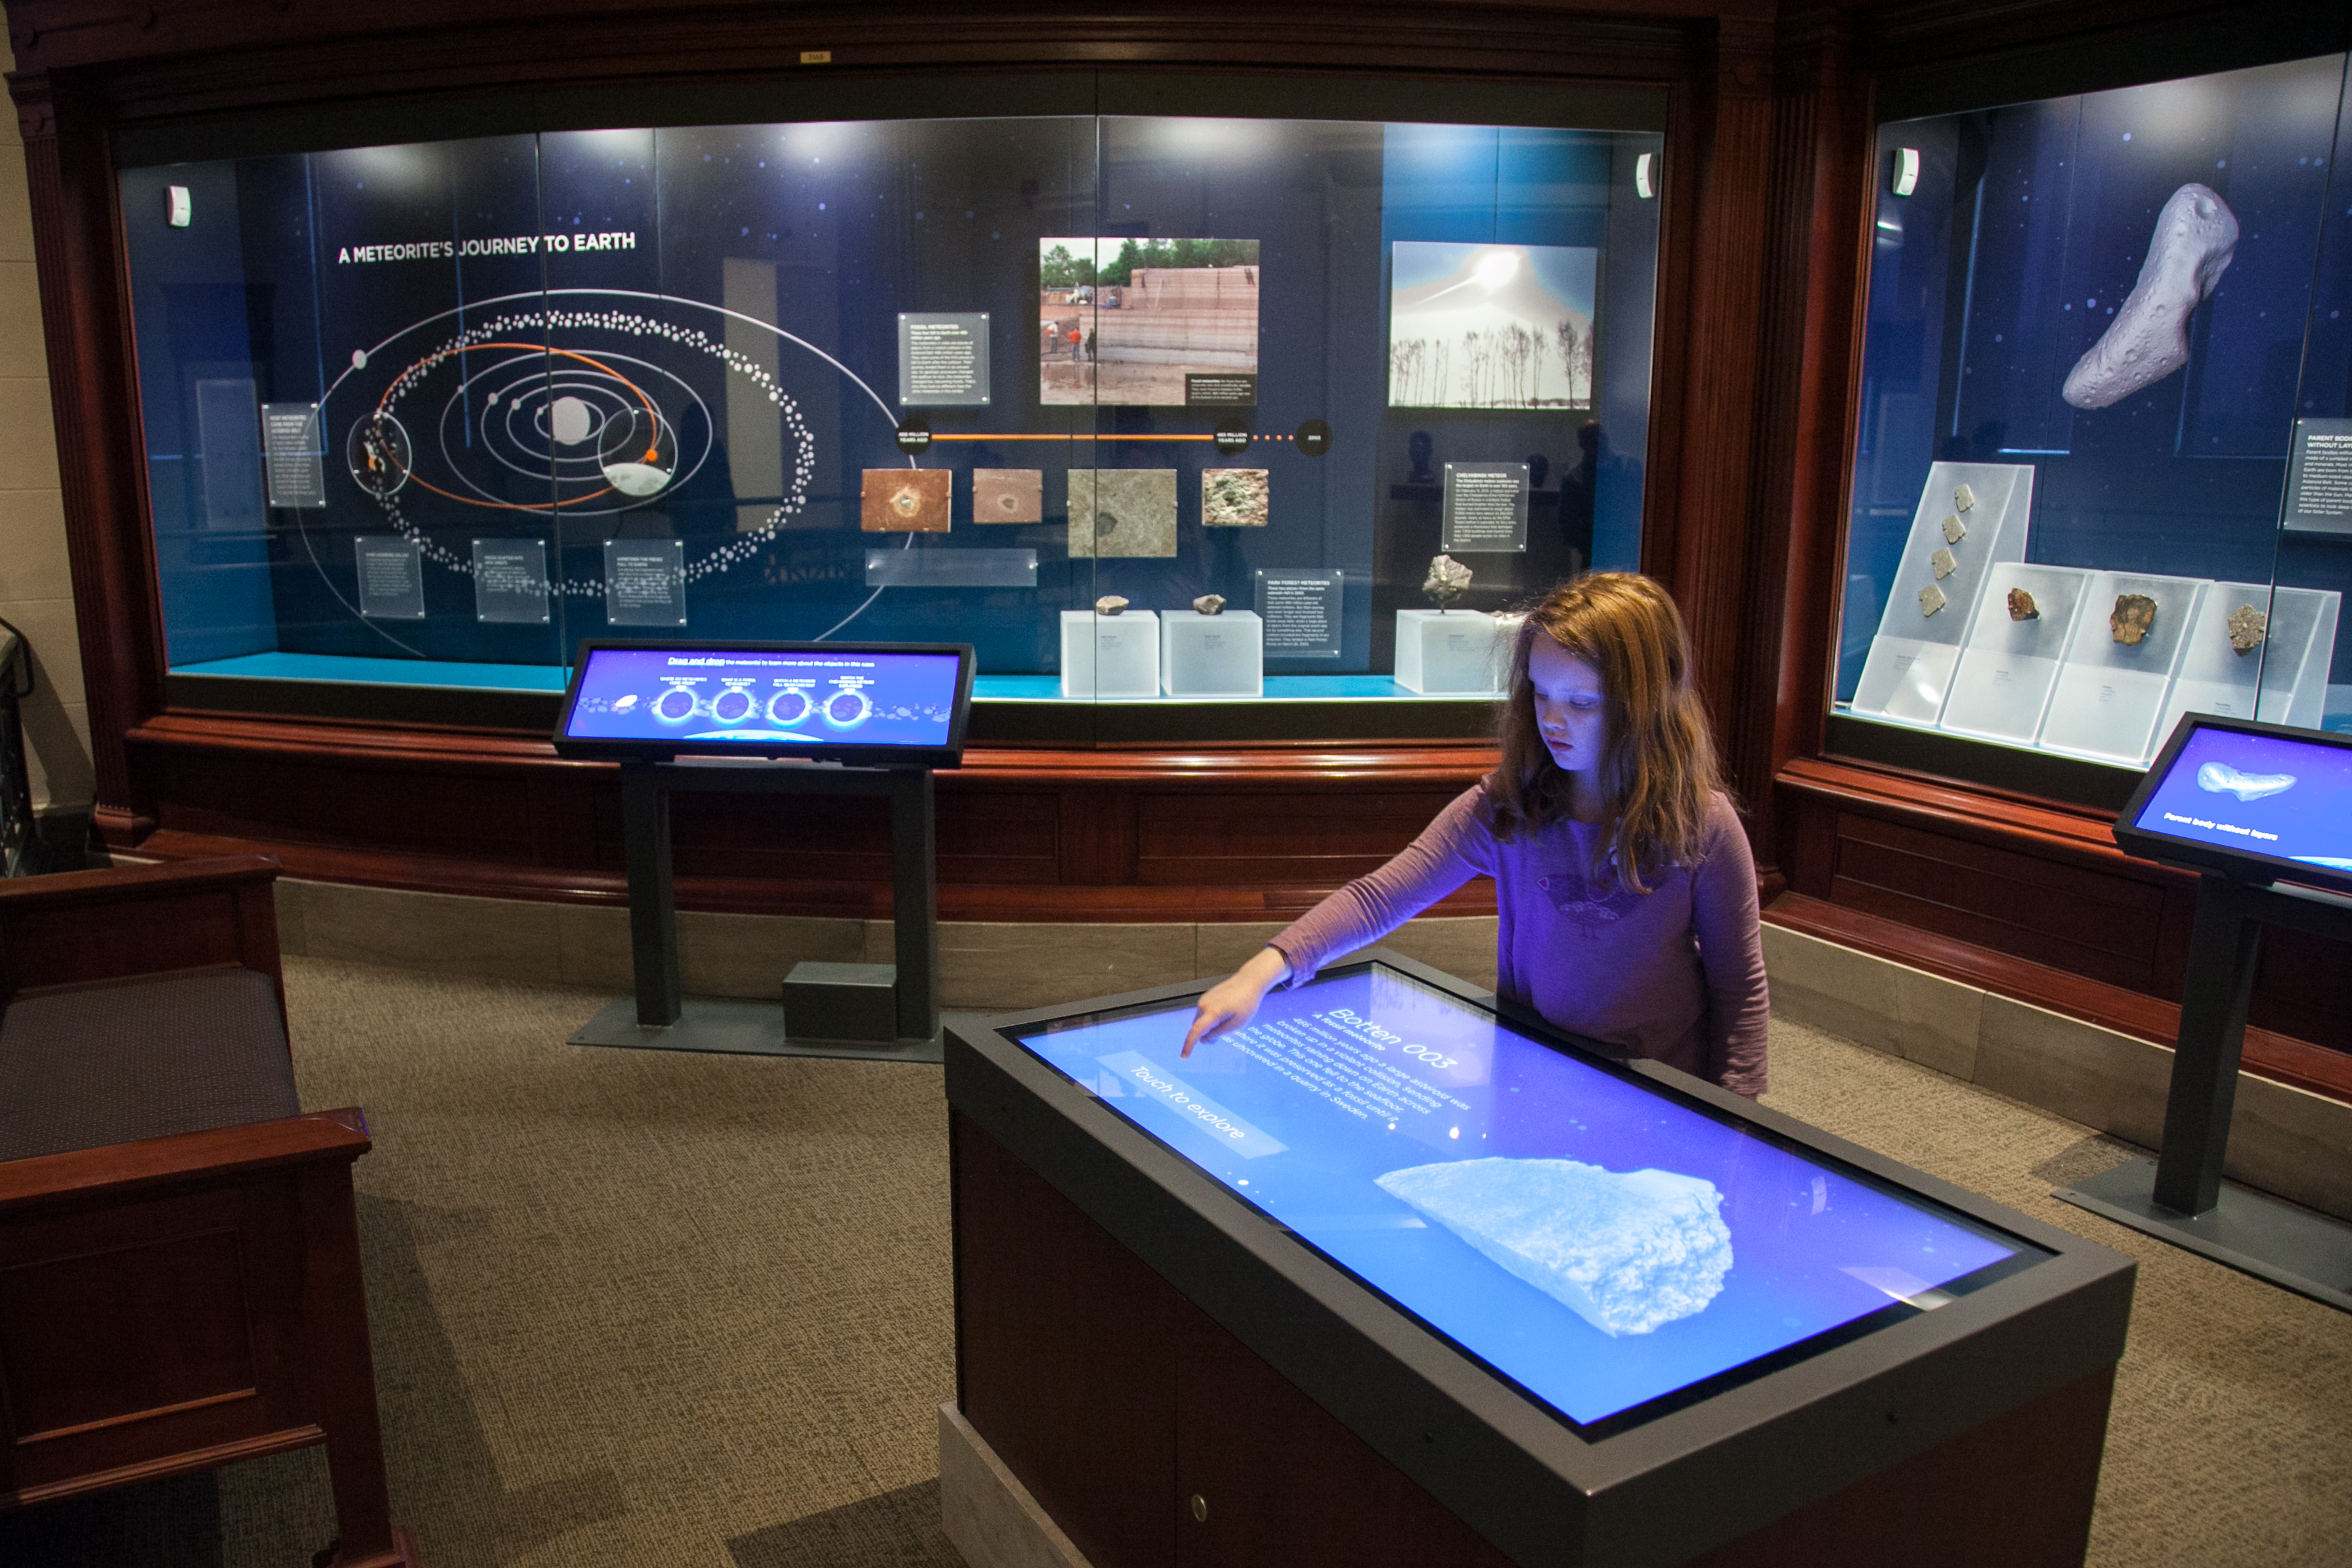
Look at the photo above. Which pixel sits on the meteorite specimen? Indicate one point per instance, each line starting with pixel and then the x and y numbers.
pixel 2022 606
pixel 905 500
pixel 1109 604
pixel 1122 511
pixel 1008 495
pixel 1447 579
pixel 1954 528
pixel 1964 500
pixel 1931 599
pixel 1210 604
pixel 1233 497
pixel 2133 615
pixel 1945 562
pixel 2196 234
pixel 2248 627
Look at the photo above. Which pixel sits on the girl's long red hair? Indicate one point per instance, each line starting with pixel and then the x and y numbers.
pixel 1658 765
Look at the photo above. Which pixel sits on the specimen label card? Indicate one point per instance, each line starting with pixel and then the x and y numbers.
pixel 1302 612
pixel 644 582
pixel 1485 507
pixel 2319 477
pixel 943 359
pixel 291 452
pixel 511 581
pixel 391 577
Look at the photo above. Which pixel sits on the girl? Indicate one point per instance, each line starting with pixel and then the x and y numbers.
pixel 1625 886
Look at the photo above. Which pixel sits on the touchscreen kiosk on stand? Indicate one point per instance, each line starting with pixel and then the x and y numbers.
pixel 1391 1276
pixel 2262 814
pixel 783 718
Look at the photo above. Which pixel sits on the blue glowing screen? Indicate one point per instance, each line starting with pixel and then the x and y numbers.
pixel 2270 795
pixel 772 700
pixel 1589 1237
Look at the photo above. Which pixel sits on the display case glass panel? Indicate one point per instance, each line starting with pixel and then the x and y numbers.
pixel 2103 474
pixel 430 414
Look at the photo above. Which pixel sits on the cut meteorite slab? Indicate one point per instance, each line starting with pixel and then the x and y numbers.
pixel 2022 606
pixel 1945 562
pixel 1931 599
pixel 1447 580
pixel 1233 497
pixel 2133 615
pixel 1954 528
pixel 1122 511
pixel 905 500
pixel 1628 1251
pixel 1109 604
pixel 1964 500
pixel 1008 495
pixel 2248 627
pixel 1210 604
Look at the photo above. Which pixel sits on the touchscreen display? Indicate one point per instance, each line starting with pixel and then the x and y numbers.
pixel 773 701
pixel 1586 1236
pixel 2269 795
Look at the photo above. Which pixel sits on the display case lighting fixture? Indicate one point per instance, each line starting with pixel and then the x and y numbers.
pixel 1645 176
pixel 1906 170
pixel 177 207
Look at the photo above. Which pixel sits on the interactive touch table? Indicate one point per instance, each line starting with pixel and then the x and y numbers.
pixel 1395 1275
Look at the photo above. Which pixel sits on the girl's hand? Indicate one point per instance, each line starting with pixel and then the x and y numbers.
pixel 1234 1000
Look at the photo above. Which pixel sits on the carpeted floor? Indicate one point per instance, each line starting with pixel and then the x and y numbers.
pixel 654 1310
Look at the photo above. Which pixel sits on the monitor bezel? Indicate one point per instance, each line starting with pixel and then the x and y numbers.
pixel 2248 866
pixel 850 753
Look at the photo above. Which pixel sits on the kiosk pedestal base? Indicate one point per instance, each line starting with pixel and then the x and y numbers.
pixel 741 1029
pixel 2262 1237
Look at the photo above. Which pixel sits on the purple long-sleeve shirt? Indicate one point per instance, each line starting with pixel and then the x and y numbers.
pixel 1675 974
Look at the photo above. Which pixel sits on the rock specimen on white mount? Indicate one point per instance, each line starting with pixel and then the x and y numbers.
pixel 1447 580
pixel 1945 562
pixel 1210 604
pixel 2221 778
pixel 1954 528
pixel 2248 627
pixel 1109 604
pixel 2022 606
pixel 2134 615
pixel 1964 500
pixel 2196 234
pixel 1626 1251
pixel 1931 599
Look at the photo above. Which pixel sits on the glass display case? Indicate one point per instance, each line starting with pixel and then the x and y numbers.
pixel 1154 410
pixel 2103 474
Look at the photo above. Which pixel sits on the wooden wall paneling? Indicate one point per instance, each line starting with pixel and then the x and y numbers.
pixel 1095 835
pixel 1291 838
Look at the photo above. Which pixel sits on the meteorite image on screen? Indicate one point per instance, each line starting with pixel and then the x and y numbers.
pixel 1008 495
pixel 1628 1251
pixel 1233 497
pixel 905 500
pixel 2133 615
pixel 2221 778
pixel 1122 511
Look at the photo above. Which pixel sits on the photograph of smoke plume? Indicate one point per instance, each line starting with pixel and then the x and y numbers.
pixel 1491 326
pixel 1129 321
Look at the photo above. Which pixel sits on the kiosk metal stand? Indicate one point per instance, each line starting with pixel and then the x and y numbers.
pixel 2179 1196
pixel 832 1010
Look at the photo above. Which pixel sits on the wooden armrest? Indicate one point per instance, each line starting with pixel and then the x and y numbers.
pixel 81 926
pixel 121 1169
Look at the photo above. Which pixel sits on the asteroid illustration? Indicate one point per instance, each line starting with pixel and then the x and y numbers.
pixel 1964 500
pixel 1945 562
pixel 1122 511
pixel 1111 605
pixel 1233 497
pixel 2022 606
pixel 2221 778
pixel 2196 234
pixel 1008 495
pixel 1448 580
pixel 905 500
pixel 1210 604
pixel 1626 1251
pixel 636 478
pixel 2133 615
pixel 1931 599
pixel 2248 627
pixel 1954 528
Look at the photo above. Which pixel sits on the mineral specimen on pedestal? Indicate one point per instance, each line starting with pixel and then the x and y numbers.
pixel 1447 579
pixel 1945 562
pixel 2196 234
pixel 2248 627
pixel 1931 599
pixel 1109 604
pixel 1954 528
pixel 2133 615
pixel 1964 500
pixel 1210 604
pixel 1628 1251
pixel 2022 606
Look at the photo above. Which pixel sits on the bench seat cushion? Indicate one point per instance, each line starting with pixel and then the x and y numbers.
pixel 82 1067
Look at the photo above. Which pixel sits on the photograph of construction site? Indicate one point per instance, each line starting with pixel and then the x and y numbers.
pixel 1491 326
pixel 1162 323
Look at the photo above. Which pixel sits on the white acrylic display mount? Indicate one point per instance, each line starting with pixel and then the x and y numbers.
pixel 1222 654
pixel 2000 688
pixel 1912 659
pixel 2111 695
pixel 2291 665
pixel 1451 653
pixel 1110 655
